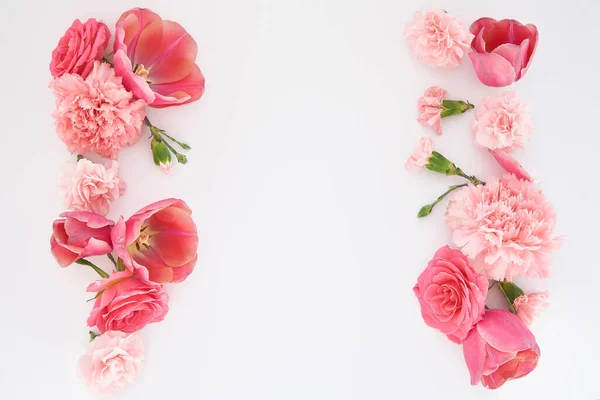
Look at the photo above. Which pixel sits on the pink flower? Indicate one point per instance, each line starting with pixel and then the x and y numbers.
pixel 80 234
pixel 451 294
pixel 502 50
pixel 159 243
pixel 430 108
pixel 126 304
pixel 502 122
pixel 420 157
pixel 500 348
pixel 80 46
pixel 510 164
pixel 529 306
pixel 87 186
pixel 113 361
pixel 438 38
pixel 505 227
pixel 96 114
pixel 156 59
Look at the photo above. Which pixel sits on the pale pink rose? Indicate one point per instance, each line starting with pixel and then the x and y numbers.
pixel 451 294
pixel 510 164
pixel 87 186
pixel 502 122
pixel 126 304
pixel 80 234
pixel 96 114
pixel 438 38
pixel 430 108
pixel 159 243
pixel 420 157
pixel 113 361
pixel 530 306
pixel 505 227
pixel 80 46
pixel 500 348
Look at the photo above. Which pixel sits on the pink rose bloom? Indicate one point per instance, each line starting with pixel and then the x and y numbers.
pixel 420 157
pixel 159 243
pixel 438 38
pixel 502 50
pixel 500 348
pixel 451 294
pixel 96 114
pixel 87 186
pixel 502 122
pixel 530 306
pixel 430 108
pixel 505 227
pixel 510 164
pixel 126 304
pixel 80 46
pixel 80 234
pixel 156 59
pixel 113 361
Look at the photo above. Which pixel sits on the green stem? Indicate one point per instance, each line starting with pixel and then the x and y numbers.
pixel 426 210
pixel 157 134
pixel 83 261
pixel 92 336
pixel 112 259
pixel 471 178
pixel 511 307
pixel 183 145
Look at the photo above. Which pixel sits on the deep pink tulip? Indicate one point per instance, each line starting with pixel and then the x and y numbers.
pixel 502 50
pixel 510 164
pixel 500 348
pixel 159 243
pixel 156 59
pixel 80 234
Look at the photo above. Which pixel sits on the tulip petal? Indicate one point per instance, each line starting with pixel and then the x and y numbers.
pixel 493 69
pixel 480 24
pixel 510 164
pixel 533 41
pixel 505 331
pixel 64 257
pixel 180 273
pixel 474 353
pixel 130 26
pixel 132 82
pixel 516 55
pixel 176 238
pixel 186 90
pixel 168 101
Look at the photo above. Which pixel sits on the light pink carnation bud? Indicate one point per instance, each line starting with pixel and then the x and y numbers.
pixel 420 157
pixel 530 306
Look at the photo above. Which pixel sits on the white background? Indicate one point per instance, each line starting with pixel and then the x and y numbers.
pixel 309 241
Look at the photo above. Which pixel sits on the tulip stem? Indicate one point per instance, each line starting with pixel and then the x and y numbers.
pixel 426 210
pixel 83 261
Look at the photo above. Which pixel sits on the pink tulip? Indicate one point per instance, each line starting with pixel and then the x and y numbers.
pixel 158 243
pixel 156 59
pixel 80 234
pixel 510 164
pixel 500 348
pixel 502 50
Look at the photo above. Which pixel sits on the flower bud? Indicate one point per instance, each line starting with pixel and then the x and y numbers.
pixel 425 211
pixel 162 155
pixel 439 163
pixel 454 107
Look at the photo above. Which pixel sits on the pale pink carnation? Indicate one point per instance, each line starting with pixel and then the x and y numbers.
pixel 502 122
pixel 430 108
pixel 420 157
pixel 87 186
pixel 505 227
pixel 438 38
pixel 96 114
pixel 530 306
pixel 113 361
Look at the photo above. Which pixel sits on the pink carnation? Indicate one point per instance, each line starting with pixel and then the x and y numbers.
pixel 96 114
pixel 88 186
pixel 420 157
pixel 438 38
pixel 502 122
pixel 430 108
pixel 529 306
pixel 505 227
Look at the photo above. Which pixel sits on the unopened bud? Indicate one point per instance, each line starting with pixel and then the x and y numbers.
pixel 162 155
pixel 438 163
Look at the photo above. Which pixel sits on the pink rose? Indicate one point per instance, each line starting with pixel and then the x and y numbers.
pixel 88 186
pixel 126 304
pixel 430 108
pixel 421 155
pixel 500 348
pixel 437 38
pixel 159 243
pixel 113 361
pixel 502 50
pixel 156 59
pixel 80 46
pixel 530 306
pixel 80 234
pixel 510 164
pixel 451 294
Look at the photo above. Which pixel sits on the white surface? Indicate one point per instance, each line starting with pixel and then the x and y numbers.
pixel 309 242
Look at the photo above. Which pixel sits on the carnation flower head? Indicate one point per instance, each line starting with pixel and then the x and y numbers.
pixel 430 108
pixel 438 38
pixel 502 122
pixel 96 114
pixel 506 228
pixel 420 157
